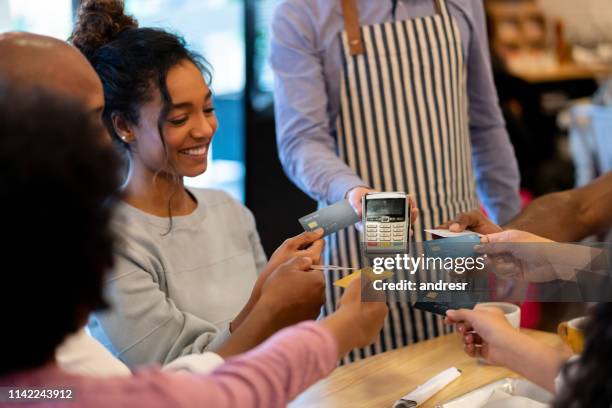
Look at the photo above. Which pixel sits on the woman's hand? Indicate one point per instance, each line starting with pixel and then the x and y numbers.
pixel 292 293
pixel 526 256
pixel 499 343
pixel 485 333
pixel 307 245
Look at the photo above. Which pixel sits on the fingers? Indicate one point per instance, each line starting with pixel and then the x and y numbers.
pixel 354 197
pixel 304 239
pixel 461 315
pixel 319 280
pixel 463 221
pixel 379 310
pixel 313 251
pixel 464 327
pixel 414 210
pixel 516 236
pixel 502 246
pixel 504 236
pixel 352 294
pixel 445 226
pixel 472 342
pixel 473 345
pixel 471 350
pixel 301 263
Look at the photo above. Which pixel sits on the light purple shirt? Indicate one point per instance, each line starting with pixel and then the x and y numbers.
pixel 269 376
pixel 306 59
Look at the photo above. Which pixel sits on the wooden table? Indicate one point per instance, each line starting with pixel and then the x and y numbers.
pixel 563 72
pixel 381 380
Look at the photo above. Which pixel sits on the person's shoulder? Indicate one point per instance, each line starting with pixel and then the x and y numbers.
pixel 472 10
pixel 466 4
pixel 304 10
pixel 304 5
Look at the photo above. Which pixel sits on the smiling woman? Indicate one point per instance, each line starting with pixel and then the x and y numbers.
pixel 159 109
pixel 215 30
pixel 158 104
pixel 188 259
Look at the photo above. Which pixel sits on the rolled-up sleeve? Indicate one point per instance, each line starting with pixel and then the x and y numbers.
pixel 497 174
pixel 307 149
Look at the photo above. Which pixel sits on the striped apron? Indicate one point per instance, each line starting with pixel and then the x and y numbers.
pixel 403 126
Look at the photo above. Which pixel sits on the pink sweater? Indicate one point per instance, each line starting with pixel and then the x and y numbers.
pixel 269 376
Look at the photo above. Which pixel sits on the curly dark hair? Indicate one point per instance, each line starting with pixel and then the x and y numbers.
pixel 589 379
pixel 59 181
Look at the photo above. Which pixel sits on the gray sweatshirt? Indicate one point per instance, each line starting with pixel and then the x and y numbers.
pixel 174 294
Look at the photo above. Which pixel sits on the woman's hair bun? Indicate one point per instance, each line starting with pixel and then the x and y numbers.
pixel 99 22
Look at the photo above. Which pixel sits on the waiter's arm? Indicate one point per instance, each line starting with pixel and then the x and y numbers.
pixel 306 147
pixel 495 165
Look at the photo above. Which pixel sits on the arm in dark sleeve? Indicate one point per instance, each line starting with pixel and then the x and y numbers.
pixel 572 215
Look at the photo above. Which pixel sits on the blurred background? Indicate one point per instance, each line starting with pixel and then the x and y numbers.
pixel 552 60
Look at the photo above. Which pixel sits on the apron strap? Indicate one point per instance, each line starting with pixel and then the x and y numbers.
pixel 351 25
pixel 353 29
pixel 441 7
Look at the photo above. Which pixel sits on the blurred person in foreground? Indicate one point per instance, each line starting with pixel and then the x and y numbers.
pixel 50 148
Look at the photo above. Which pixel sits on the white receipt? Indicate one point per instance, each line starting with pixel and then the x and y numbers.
pixel 448 234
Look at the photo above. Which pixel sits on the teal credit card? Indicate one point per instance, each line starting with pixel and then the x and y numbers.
pixel 452 247
pixel 331 219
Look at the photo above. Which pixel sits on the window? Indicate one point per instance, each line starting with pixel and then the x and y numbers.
pixel 214 28
pixel 264 75
pixel 52 18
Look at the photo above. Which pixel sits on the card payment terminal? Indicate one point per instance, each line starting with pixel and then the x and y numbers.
pixel 386 222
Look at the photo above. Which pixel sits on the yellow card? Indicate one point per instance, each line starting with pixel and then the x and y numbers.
pixel 347 280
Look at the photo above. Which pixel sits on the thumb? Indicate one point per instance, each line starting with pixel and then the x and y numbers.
pixel 307 237
pixel 461 222
pixel 460 315
pixel 504 236
pixel 302 263
pixel 352 293
pixel 503 243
